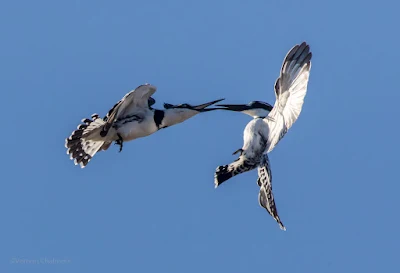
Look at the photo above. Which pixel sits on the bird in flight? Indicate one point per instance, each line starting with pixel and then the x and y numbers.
pixel 130 118
pixel 269 125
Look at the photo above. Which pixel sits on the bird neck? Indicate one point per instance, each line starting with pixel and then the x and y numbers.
pixel 257 112
pixel 169 117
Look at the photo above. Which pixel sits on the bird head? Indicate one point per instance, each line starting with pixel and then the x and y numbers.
pixel 175 114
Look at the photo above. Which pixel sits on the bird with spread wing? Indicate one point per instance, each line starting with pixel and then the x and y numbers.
pixel 269 125
pixel 131 118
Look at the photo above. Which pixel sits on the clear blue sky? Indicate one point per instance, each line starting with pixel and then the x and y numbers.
pixel 153 207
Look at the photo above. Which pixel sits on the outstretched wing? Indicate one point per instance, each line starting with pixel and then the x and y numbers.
pixel 139 98
pixel 266 197
pixel 290 90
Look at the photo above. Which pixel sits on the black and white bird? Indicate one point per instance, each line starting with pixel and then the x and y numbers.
pixel 269 125
pixel 131 118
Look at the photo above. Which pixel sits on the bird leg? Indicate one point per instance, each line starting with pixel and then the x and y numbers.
pixel 119 142
pixel 238 151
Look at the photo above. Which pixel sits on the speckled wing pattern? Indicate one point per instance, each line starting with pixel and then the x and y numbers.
pixel 265 196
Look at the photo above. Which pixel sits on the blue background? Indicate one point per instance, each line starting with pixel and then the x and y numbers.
pixel 153 207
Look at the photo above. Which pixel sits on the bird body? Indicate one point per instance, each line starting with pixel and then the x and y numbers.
pixel 131 118
pixel 270 124
pixel 138 124
pixel 254 138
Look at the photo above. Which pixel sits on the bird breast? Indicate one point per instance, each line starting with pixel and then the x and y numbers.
pixel 132 127
pixel 255 137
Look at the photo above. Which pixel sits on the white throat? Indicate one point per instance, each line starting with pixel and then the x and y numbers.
pixel 256 113
pixel 174 116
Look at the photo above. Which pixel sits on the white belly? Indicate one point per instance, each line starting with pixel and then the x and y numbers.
pixel 135 129
pixel 255 137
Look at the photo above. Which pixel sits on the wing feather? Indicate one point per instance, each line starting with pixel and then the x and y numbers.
pixel 135 100
pixel 291 86
pixel 290 90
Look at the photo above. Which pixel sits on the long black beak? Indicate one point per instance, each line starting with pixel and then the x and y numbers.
pixel 201 107
pixel 234 107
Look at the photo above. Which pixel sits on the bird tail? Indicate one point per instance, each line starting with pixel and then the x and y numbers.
pixel 265 196
pixel 86 141
pixel 241 165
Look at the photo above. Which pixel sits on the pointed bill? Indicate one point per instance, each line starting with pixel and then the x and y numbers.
pixel 202 107
pixel 234 107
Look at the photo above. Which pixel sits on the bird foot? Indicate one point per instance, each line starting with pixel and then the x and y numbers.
pixel 120 142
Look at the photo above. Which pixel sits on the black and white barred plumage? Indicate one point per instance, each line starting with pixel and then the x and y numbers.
pixel 269 125
pixel 82 150
pixel 130 118
pixel 265 196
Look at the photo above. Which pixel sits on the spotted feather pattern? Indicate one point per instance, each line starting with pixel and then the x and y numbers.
pixel 80 149
pixel 265 196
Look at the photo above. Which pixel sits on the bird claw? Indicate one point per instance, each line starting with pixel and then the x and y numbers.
pixel 119 142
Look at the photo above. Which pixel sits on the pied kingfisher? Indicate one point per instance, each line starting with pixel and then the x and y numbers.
pixel 131 118
pixel 269 125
